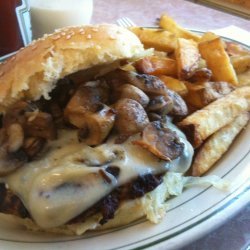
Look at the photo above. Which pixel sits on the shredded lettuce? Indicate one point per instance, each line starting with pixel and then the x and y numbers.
pixel 155 203
pixel 214 180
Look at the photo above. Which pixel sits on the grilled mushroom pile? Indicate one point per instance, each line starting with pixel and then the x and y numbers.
pixel 122 103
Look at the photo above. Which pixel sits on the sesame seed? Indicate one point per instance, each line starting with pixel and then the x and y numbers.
pixel 98 47
pixel 112 37
pixel 89 36
pixel 1 74
pixel 12 58
pixel 68 37
pixel 95 29
pixel 33 47
pixel 82 32
pixel 63 33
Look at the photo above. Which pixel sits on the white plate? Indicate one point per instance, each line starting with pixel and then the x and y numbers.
pixel 196 212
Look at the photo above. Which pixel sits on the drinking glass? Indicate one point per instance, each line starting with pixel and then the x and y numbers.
pixel 48 15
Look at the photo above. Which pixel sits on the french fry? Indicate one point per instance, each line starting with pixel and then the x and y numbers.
pixel 200 95
pixel 218 61
pixel 159 39
pixel 201 75
pixel 203 123
pixel 194 96
pixel 235 49
pixel 213 149
pixel 160 53
pixel 174 84
pixel 244 78
pixel 187 58
pixel 208 36
pixel 170 25
pixel 154 65
pixel 240 63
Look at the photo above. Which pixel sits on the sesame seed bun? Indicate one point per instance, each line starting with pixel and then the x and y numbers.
pixel 34 71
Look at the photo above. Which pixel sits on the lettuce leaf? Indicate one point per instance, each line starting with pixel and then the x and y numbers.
pixel 155 203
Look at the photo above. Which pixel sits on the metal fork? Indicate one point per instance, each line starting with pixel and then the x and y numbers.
pixel 125 22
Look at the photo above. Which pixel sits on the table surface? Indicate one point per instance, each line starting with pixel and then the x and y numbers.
pixel 145 12
pixel 234 234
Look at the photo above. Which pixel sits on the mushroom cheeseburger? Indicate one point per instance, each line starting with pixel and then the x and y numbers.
pixel 85 144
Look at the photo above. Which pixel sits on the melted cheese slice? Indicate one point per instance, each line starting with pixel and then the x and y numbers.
pixel 71 177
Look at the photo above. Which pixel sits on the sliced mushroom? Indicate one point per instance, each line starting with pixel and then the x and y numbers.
pixel 154 117
pixel 171 103
pixel 16 113
pixel 97 125
pixel 160 104
pixel 132 92
pixel 15 136
pixel 33 146
pixel 15 149
pixel 87 112
pixel 12 155
pixel 86 99
pixel 179 105
pixel 147 83
pixel 161 141
pixel 40 124
pixel 131 117
pixel 152 86
pixel 27 116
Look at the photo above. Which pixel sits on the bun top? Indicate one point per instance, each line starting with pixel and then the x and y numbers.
pixel 34 71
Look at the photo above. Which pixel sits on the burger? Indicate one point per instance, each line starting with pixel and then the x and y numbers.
pixel 87 142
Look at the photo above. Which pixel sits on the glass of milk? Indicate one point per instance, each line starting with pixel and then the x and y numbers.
pixel 48 15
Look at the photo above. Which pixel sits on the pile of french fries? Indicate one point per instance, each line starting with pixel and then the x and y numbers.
pixel 213 77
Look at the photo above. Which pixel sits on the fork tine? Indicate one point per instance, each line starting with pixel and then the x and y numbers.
pixel 129 22
pixel 120 22
pixel 125 22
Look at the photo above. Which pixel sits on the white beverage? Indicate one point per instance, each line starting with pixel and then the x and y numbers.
pixel 48 15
